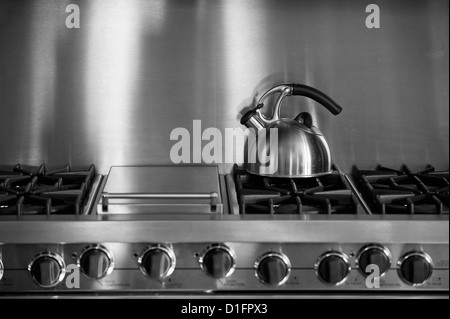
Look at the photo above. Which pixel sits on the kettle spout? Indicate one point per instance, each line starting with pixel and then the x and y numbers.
pixel 252 119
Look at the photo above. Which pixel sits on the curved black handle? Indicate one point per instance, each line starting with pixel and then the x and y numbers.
pixel 318 96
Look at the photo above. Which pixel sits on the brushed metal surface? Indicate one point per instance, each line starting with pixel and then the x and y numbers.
pixel 162 189
pixel 227 228
pixel 111 92
pixel 188 280
pixel 162 179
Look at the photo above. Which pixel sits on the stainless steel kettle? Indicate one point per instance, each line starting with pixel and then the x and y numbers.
pixel 302 150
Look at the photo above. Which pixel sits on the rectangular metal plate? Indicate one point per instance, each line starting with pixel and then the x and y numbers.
pixel 162 180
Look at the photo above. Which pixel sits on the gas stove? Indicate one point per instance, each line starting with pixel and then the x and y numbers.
pixel 152 230
pixel 37 191
pixel 329 194
pixel 392 191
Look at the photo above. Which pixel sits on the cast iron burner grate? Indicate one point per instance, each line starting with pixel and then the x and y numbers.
pixel 327 194
pixel 392 191
pixel 36 191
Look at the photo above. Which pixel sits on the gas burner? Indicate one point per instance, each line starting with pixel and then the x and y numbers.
pixel 403 191
pixel 36 191
pixel 327 194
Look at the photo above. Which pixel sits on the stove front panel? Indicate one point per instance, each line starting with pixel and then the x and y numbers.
pixel 197 267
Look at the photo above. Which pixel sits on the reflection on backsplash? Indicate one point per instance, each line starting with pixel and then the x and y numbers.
pixel 112 91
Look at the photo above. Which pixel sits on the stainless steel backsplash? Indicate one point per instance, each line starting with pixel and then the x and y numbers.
pixel 111 92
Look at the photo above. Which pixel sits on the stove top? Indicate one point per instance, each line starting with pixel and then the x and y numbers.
pixel 392 191
pixel 165 229
pixel 329 194
pixel 28 190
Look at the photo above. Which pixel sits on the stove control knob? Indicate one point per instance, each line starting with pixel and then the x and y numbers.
pixel 96 262
pixel 333 268
pixel 218 261
pixel 273 268
pixel 415 268
pixel 157 262
pixel 47 269
pixel 1 269
pixel 374 255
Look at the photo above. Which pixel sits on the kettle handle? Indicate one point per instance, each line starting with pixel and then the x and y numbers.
pixel 293 89
pixel 318 96
pixel 254 118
